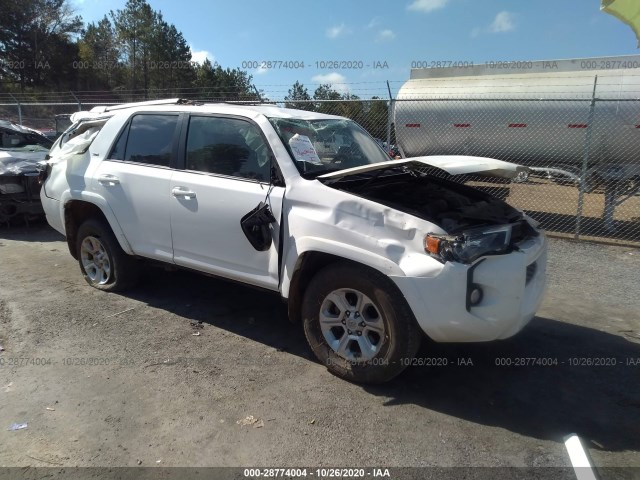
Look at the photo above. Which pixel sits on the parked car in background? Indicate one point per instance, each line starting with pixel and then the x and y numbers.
pixel 368 252
pixel 63 122
pixel 394 152
pixel 21 150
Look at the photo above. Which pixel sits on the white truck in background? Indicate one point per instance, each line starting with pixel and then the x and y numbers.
pixel 572 120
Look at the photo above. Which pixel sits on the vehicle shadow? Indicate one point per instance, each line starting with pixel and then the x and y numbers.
pixel 600 403
pixel 36 230
pixel 253 313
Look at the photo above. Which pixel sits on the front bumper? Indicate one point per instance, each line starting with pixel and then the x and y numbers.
pixel 19 197
pixel 512 295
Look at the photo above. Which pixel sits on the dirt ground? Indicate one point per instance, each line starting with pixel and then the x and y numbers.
pixel 556 207
pixel 162 375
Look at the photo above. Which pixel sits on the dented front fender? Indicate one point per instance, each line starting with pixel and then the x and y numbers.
pixel 353 228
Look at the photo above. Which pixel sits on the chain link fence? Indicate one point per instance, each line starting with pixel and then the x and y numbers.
pixel 584 153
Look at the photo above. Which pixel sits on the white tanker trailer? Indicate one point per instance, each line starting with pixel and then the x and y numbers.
pixel 570 119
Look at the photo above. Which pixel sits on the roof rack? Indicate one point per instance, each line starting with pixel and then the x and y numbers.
pixel 167 101
pixel 251 103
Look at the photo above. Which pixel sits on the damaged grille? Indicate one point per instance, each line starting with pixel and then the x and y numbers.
pixel 19 198
pixel 531 272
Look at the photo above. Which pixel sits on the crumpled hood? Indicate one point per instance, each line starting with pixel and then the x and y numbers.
pixel 20 162
pixel 450 205
pixel 451 164
pixel 22 149
pixel 14 127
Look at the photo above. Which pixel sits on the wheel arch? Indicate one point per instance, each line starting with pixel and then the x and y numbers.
pixel 307 263
pixel 77 211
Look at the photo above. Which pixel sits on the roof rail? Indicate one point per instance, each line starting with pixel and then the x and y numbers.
pixel 167 101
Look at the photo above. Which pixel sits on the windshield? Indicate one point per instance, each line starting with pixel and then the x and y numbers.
pixel 15 138
pixel 323 146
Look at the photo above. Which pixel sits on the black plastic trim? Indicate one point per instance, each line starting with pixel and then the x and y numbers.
pixel 470 283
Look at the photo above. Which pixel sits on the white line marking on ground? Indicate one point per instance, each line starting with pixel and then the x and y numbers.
pixel 579 458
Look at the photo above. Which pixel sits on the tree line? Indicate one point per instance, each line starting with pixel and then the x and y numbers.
pixel 371 114
pixel 46 47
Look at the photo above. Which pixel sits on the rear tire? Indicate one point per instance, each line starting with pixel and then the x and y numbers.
pixel 358 324
pixel 103 263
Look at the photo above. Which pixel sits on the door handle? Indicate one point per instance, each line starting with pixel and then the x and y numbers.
pixel 108 180
pixel 183 192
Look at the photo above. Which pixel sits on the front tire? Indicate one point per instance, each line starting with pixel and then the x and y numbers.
pixel 103 263
pixel 358 324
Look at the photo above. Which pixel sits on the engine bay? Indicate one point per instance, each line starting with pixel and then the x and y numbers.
pixel 451 205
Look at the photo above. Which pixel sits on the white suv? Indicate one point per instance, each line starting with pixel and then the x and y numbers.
pixel 367 252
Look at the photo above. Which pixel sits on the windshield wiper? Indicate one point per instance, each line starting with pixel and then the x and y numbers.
pixel 380 172
pixel 371 175
pixel 317 173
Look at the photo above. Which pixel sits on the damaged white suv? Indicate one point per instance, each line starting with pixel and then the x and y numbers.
pixel 368 252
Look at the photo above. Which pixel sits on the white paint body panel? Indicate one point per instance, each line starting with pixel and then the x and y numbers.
pixel 140 201
pixel 451 164
pixel 203 233
pixel 206 228
pixel 392 242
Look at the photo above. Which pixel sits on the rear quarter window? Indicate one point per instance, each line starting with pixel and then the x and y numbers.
pixel 148 139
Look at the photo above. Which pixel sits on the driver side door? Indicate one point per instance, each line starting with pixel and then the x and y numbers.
pixel 225 174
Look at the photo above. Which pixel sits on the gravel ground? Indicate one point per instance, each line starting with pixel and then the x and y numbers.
pixel 125 382
pixel 611 274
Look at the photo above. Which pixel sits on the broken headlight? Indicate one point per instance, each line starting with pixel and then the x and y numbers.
pixel 470 245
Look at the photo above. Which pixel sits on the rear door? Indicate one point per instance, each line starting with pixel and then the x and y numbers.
pixel 226 173
pixel 135 179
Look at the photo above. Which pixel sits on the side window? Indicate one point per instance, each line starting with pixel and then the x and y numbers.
pixel 227 146
pixel 117 153
pixel 149 140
